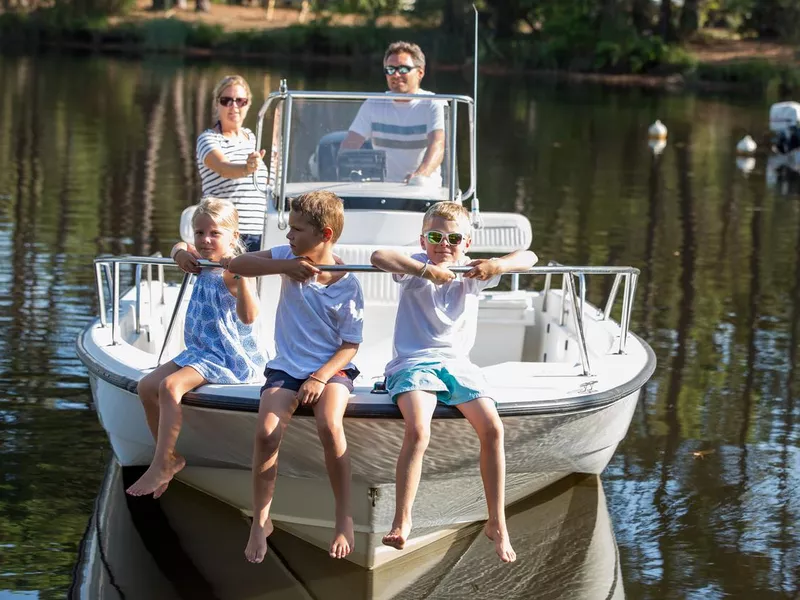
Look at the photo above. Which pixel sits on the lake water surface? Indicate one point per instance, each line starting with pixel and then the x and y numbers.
pixel 96 156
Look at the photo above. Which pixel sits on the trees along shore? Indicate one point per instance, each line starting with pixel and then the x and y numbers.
pixel 627 41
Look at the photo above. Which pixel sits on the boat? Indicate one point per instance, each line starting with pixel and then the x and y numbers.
pixel 140 548
pixel 784 127
pixel 566 374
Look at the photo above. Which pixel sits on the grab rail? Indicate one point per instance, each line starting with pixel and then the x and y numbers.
pixel 575 295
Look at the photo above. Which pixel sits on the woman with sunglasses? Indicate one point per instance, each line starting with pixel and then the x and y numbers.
pixel 226 160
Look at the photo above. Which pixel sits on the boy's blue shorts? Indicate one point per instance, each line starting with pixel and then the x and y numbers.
pixel 280 379
pixel 450 388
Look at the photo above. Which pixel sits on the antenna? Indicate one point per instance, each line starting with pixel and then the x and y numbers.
pixel 477 222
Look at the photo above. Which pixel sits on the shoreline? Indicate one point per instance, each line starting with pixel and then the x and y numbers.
pixel 748 71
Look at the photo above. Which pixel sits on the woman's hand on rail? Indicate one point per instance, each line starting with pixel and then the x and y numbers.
pixel 253 160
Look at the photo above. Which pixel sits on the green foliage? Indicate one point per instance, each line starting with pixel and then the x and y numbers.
pixel 572 35
pixel 166 34
pixel 372 8
pixel 759 74
pixel 205 36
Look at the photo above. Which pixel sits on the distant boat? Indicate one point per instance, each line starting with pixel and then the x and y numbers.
pixel 187 545
pixel 565 375
pixel 784 125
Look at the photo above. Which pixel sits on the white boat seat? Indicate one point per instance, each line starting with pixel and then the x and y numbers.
pixel 500 233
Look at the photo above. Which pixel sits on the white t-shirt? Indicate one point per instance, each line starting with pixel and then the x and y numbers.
pixel 313 320
pixel 250 203
pixel 401 128
pixel 435 323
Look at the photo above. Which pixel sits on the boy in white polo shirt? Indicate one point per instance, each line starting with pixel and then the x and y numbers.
pixel 435 329
pixel 317 333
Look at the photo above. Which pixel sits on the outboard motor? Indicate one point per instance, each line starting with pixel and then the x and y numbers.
pixel 784 124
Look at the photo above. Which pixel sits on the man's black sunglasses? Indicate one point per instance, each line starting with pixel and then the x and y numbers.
pixel 402 69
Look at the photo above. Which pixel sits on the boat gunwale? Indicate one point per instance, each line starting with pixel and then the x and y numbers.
pixel 387 410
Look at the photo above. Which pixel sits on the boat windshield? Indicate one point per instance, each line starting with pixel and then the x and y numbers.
pixel 367 150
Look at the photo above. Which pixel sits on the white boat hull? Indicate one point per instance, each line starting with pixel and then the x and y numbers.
pixel 540 449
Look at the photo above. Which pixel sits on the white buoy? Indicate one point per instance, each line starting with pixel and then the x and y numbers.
pixel 745 164
pixel 657 146
pixel 746 145
pixel 657 131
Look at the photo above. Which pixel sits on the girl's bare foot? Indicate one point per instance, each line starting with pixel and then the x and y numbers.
pixel 256 548
pixel 158 493
pixel 502 543
pixel 343 538
pixel 157 477
pixel 396 538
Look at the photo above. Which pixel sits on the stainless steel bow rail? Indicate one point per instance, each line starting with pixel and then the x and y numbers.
pixel 627 276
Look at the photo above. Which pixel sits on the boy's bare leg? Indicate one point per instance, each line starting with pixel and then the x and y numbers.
pixel 274 412
pixel 329 412
pixel 417 408
pixel 166 462
pixel 482 415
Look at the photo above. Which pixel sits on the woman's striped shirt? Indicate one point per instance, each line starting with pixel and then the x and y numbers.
pixel 250 203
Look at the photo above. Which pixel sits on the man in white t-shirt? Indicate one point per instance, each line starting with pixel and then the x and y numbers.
pixel 410 131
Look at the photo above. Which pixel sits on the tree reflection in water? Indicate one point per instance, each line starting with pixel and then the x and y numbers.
pixel 96 155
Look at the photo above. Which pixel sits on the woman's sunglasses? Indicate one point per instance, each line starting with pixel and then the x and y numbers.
pixel 436 237
pixel 227 101
pixel 402 69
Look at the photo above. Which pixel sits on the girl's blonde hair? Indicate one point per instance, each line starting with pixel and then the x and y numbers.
pixel 225 215
pixel 224 84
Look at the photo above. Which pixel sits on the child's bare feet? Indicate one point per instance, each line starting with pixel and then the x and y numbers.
pixel 162 488
pixel 256 548
pixel 343 538
pixel 502 543
pixel 396 538
pixel 157 477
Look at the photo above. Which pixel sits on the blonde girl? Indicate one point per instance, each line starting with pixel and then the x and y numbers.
pixel 219 336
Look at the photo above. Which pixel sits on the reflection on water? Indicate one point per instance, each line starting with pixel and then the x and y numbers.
pixel 187 545
pixel 96 155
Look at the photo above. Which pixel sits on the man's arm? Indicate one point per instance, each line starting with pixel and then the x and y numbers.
pixel 434 154
pixel 359 129
pixel 353 141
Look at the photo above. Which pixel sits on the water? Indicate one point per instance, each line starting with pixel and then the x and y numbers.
pixel 96 155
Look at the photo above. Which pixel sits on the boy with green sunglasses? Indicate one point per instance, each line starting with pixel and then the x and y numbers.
pixel 437 319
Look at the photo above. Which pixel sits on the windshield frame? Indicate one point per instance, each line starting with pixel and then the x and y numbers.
pixel 283 100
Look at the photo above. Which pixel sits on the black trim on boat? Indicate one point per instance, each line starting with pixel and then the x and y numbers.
pixel 387 410
pixel 381 203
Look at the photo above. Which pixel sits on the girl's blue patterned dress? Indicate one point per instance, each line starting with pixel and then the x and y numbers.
pixel 218 345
